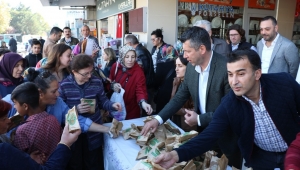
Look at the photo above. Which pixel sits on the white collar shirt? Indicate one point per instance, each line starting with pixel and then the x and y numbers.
pixel 89 46
pixel 203 79
pixel 267 54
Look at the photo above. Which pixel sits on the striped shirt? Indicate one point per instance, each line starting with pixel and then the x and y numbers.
pixel 71 93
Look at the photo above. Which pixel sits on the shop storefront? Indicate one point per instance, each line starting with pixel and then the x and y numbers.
pixel 113 21
pixel 224 13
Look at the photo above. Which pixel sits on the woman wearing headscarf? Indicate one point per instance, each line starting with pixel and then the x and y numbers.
pixel 11 69
pixel 130 76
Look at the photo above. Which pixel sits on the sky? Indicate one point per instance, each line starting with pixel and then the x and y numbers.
pixel 52 15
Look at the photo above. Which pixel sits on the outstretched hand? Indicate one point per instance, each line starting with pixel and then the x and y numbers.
pixel 150 126
pixel 167 159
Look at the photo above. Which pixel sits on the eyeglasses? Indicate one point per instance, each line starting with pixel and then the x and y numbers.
pixel 86 74
pixel 153 39
pixel 233 35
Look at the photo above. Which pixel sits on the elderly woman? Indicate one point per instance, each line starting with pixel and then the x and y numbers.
pixel 11 69
pixel 82 84
pixel 130 76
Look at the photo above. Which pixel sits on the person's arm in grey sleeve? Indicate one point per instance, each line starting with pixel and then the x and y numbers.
pixel 292 58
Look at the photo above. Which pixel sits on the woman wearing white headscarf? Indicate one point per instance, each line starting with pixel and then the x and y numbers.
pixel 127 74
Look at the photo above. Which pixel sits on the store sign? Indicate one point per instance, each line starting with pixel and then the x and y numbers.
pixel 216 10
pixel 236 3
pixel 106 8
pixel 262 4
pixel 210 10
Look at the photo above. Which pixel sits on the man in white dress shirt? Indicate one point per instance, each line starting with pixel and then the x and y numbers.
pixel 206 82
pixel 277 53
pixel 89 44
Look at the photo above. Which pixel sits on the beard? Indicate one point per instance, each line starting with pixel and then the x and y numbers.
pixel 270 37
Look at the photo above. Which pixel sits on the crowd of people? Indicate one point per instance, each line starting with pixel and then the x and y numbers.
pixel 243 100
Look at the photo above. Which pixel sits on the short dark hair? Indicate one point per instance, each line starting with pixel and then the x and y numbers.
pixel 81 61
pixel 36 42
pixel 132 39
pixel 239 54
pixel 26 93
pixel 197 36
pixel 274 21
pixel 158 33
pixel 55 30
pixel 41 79
pixel 239 29
pixel 67 28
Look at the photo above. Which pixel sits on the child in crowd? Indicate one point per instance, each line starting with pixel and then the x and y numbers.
pixel 35 56
pixel 41 131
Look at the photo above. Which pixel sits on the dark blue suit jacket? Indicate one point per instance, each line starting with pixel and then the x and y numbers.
pixel 13 158
pixel 281 97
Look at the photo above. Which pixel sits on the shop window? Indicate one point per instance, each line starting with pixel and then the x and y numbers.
pixel 221 14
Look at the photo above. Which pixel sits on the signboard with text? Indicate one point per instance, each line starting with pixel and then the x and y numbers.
pixel 107 8
pixel 262 4
pixel 239 3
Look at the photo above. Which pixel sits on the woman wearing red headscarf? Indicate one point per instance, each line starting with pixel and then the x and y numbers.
pixel 11 69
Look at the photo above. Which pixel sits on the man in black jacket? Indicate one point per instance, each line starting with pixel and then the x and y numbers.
pixel 146 59
pixel 35 56
pixel 12 44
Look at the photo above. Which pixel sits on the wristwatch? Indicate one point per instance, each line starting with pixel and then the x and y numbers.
pixel 141 101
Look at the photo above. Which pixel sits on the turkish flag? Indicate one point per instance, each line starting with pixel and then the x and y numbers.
pixel 119 26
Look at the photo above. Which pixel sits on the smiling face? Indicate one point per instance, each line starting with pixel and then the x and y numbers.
pixel 195 57
pixel 242 78
pixel 65 58
pixel 129 59
pixel 18 69
pixel 21 108
pixel 180 69
pixel 268 31
pixel 50 96
pixel 83 75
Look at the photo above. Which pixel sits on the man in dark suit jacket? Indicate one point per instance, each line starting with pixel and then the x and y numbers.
pixel 12 44
pixel 205 80
pixel 261 109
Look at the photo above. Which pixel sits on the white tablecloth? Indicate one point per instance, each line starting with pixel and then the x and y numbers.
pixel 120 154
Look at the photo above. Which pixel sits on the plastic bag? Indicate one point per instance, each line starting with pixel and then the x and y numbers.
pixel 76 49
pixel 118 97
